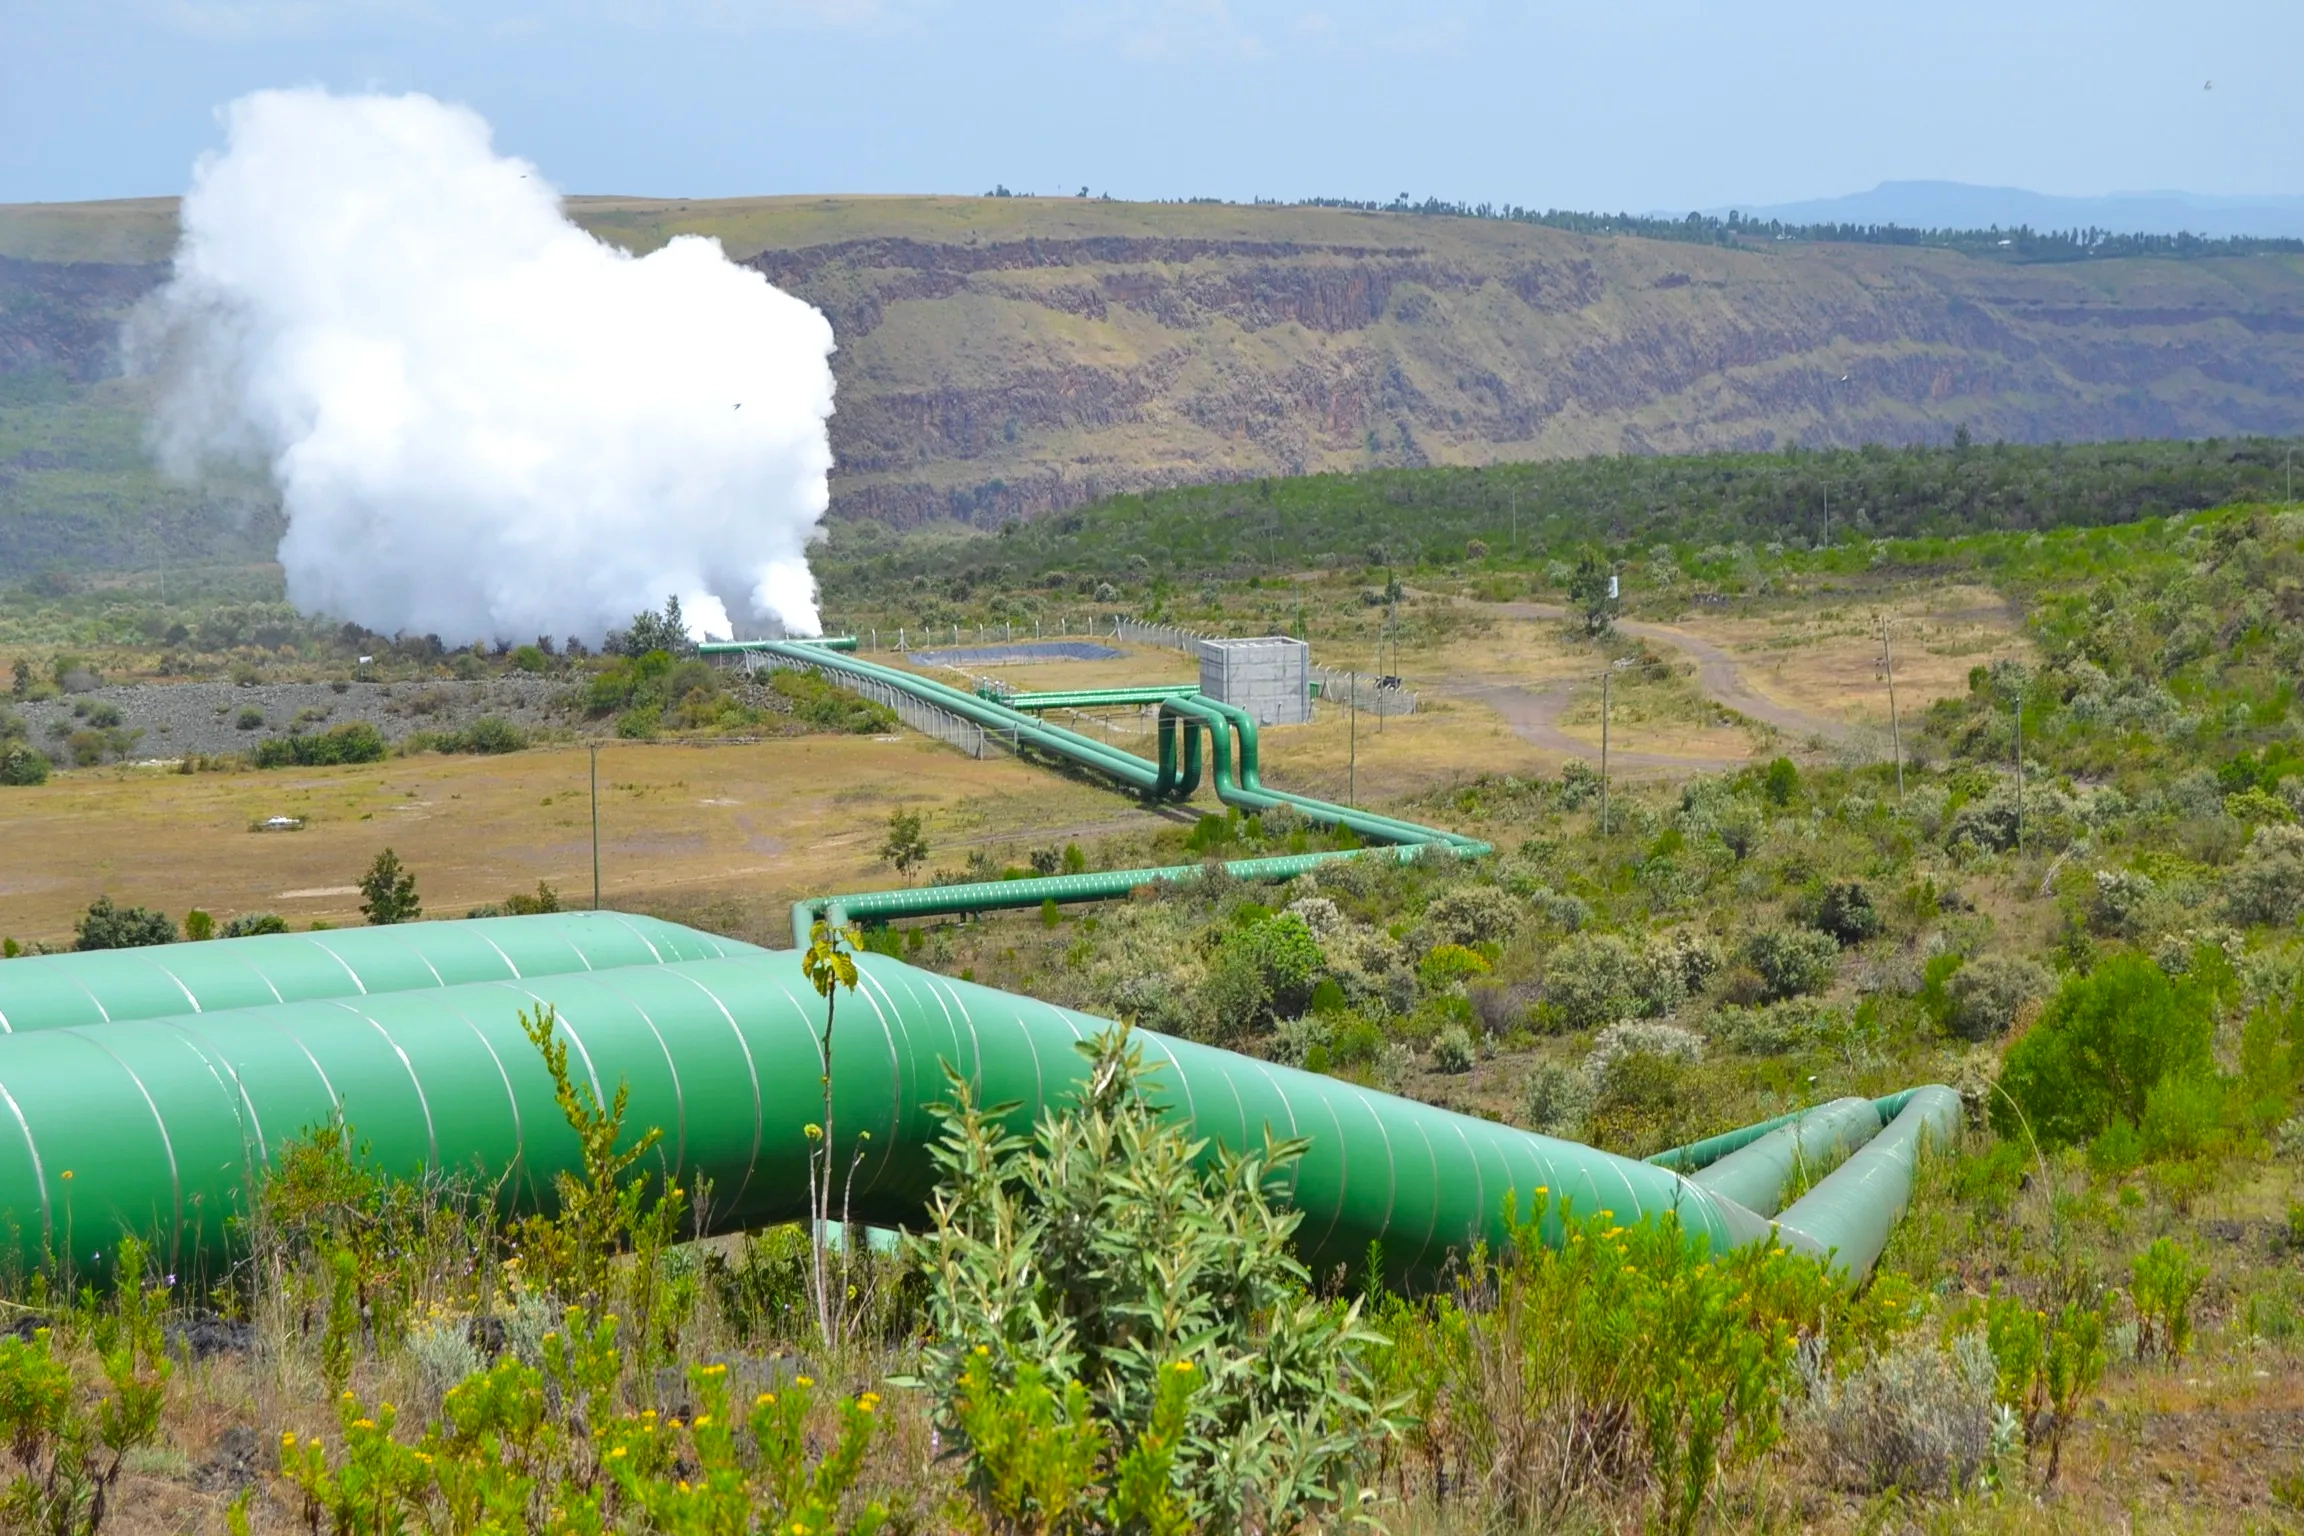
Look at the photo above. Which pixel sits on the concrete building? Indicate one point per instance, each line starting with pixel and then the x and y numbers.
pixel 1269 676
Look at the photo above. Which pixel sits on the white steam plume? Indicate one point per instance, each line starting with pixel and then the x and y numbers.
pixel 484 423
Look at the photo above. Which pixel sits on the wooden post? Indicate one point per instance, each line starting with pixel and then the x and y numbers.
pixel 1352 757
pixel 2019 775
pixel 1895 731
pixel 1607 679
pixel 595 826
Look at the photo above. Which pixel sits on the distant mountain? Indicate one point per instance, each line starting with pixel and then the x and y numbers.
pixel 1956 205
pixel 1011 357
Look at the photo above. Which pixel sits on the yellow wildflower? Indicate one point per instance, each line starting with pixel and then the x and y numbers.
pixel 804 1381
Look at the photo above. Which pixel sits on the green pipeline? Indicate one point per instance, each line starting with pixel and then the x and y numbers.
pixel 1098 698
pixel 57 991
pixel 1184 716
pixel 158 1125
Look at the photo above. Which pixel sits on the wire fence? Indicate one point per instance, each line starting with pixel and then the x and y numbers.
pixel 1363 691
pixel 922 716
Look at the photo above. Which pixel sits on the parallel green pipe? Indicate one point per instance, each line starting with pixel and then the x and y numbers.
pixel 1129 769
pixel 57 991
pixel 1702 1154
pixel 1755 1175
pixel 1017 895
pixel 1851 1213
pixel 158 1127
pixel 1099 698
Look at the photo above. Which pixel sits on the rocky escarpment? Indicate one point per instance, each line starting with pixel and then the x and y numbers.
pixel 1010 357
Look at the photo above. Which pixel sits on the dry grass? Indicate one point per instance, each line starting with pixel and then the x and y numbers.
pixel 679 825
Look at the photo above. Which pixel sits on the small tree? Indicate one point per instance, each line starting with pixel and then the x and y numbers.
pixel 905 847
pixel 1592 590
pixel 106 926
pixel 389 892
pixel 831 967
pixel 21 766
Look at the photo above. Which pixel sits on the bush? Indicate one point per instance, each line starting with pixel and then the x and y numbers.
pixel 248 924
pixel 2105 1042
pixel 358 742
pixel 1231 1397
pixel 21 766
pixel 1983 997
pixel 1918 1418
pixel 1470 915
pixel 249 719
pixel 2119 902
pixel 1792 962
pixel 1452 1049
pixel 1280 949
pixel 2164 1281
pixel 1596 979
pixel 490 735
pixel 1448 967
pixel 1559 1099
pixel 106 926
pixel 1847 913
pixel 2267 885
pixel 388 892
pixel 1780 781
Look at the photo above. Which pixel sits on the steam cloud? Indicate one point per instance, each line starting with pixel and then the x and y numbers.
pixel 483 422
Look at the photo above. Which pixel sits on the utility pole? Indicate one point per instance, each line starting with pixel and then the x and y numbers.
pixel 1352 736
pixel 595 826
pixel 1895 732
pixel 1607 678
pixel 2019 775
pixel 1515 520
pixel 1827 514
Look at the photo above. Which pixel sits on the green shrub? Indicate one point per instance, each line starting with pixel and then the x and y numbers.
pixel 248 924
pixel 1122 1338
pixel 1983 997
pixel 1792 962
pixel 2165 1280
pixel 2267 884
pixel 1847 913
pixel 1598 978
pixel 358 742
pixel 1452 1049
pixel 2105 1042
pixel 1284 955
pixel 21 766
pixel 1449 966
pixel 1470 915
pixel 1780 781
pixel 105 926
pixel 249 719
pixel 388 892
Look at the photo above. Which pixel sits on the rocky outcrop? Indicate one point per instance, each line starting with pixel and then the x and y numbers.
pixel 1009 358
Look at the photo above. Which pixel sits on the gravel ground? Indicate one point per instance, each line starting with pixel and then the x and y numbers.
pixel 177 719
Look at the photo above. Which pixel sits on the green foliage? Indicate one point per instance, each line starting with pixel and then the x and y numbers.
pixel 906 846
pixel 1446 967
pixel 106 926
pixel 67 1445
pixel 21 766
pixel 357 742
pixel 199 926
pixel 2105 1042
pixel 652 633
pixel 1589 591
pixel 601 1209
pixel 1072 1274
pixel 1674 1362
pixel 824 704
pixel 1982 998
pixel 1780 781
pixel 388 892
pixel 518 1448
pixel 1792 962
pixel 1847 913
pixel 1595 979
pixel 248 924
pixel 2166 1279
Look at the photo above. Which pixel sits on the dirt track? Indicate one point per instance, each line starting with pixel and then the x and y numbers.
pixel 1533 712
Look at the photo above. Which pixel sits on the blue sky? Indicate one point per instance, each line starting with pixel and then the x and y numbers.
pixel 1640 104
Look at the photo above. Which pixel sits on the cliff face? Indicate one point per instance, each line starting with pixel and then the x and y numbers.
pixel 1006 357
pixel 986 377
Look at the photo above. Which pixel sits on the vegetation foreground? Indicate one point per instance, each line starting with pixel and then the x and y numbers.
pixel 2090 1315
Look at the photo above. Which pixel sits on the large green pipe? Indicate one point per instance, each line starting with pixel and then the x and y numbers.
pixel 1851 1213
pixel 1016 895
pixel 57 991
pixel 157 1126
pixel 1755 1175
pixel 1099 698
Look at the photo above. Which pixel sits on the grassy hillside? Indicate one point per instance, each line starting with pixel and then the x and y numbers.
pixel 1005 357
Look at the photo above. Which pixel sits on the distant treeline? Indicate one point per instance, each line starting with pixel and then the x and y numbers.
pixel 1521 513
pixel 2022 243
